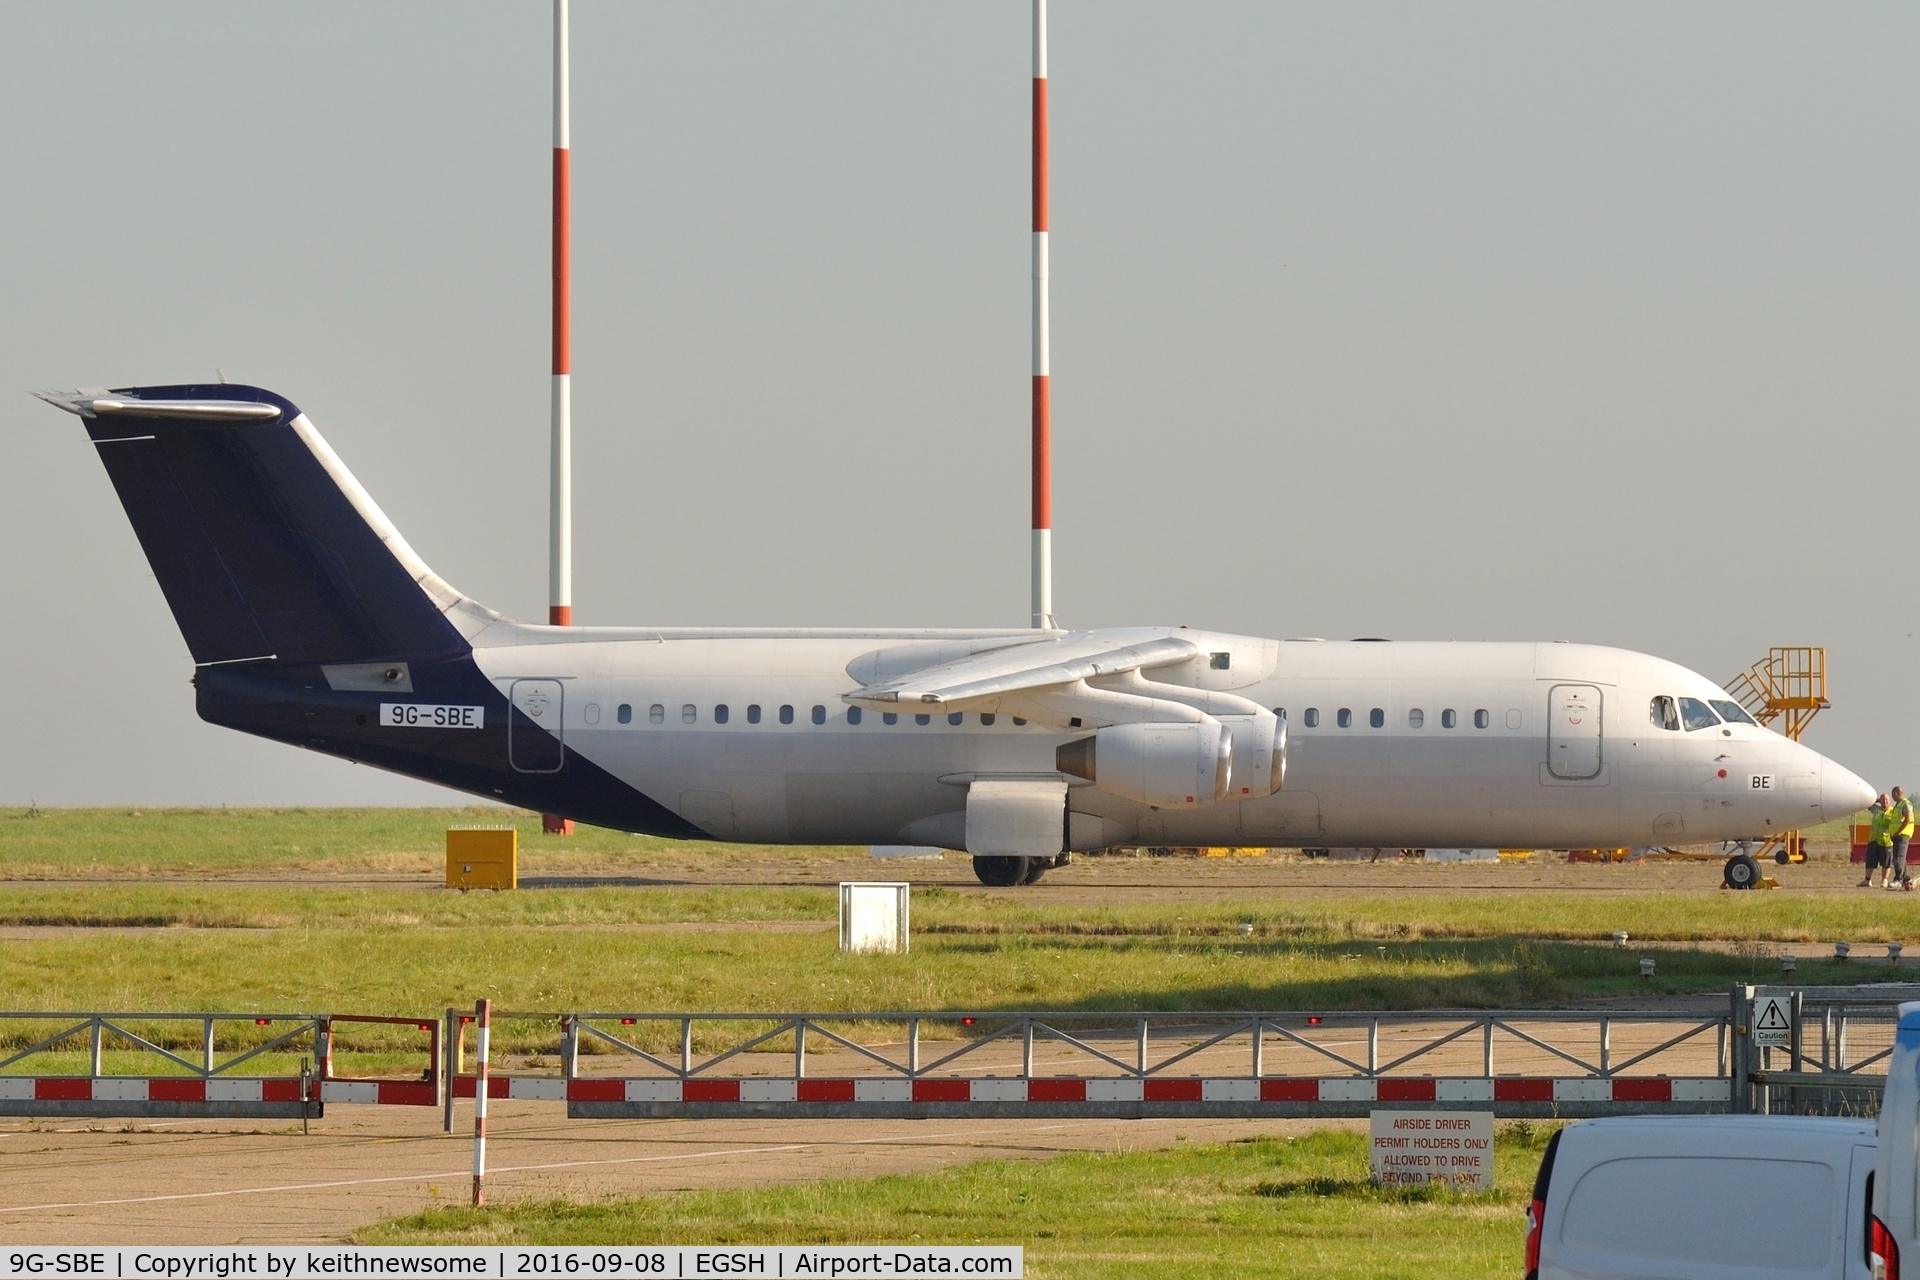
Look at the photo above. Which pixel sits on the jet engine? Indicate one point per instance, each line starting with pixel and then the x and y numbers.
pixel 1259 754
pixel 1170 766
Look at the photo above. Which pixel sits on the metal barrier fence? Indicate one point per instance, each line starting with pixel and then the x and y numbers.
pixel 1835 1039
pixel 166 1083
pixel 923 1064
pixel 1542 1063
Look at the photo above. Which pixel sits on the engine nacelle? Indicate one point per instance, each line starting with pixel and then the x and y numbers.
pixel 1259 754
pixel 1170 766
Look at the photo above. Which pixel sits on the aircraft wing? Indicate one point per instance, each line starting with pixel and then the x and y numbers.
pixel 1026 668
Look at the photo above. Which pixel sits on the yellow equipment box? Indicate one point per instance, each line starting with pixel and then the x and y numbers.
pixel 484 858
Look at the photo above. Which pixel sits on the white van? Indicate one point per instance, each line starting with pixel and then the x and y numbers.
pixel 1895 1187
pixel 1703 1198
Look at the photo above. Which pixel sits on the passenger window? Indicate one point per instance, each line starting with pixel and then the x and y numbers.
pixel 1481 719
pixel 1416 718
pixel 1377 718
pixel 656 714
pixel 720 714
pixel 1344 718
pixel 956 717
pixel 1663 713
pixel 986 717
pixel 1220 661
pixel 923 718
pixel 689 714
pixel 1448 719
pixel 753 713
pixel 1017 720
pixel 1733 712
pixel 889 717
pixel 786 715
pixel 591 713
pixel 1312 718
pixel 853 715
pixel 1513 717
pixel 625 714
pixel 819 715
pixel 1695 714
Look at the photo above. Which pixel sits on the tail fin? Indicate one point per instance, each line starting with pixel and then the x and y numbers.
pixel 263 543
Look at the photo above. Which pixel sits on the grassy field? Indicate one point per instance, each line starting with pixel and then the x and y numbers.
pixel 120 942
pixel 941 912
pixel 385 967
pixel 132 843
pixel 1268 1207
pixel 107 843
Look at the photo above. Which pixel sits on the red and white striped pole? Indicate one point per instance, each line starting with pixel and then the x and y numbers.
pixel 483 1018
pixel 560 544
pixel 1042 394
pixel 560 530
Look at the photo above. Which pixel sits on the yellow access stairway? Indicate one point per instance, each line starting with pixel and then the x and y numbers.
pixel 1788 685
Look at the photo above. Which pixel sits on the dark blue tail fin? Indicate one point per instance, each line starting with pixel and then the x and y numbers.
pixel 262 542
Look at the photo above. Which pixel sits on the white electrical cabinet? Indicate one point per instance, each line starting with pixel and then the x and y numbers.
pixel 873 917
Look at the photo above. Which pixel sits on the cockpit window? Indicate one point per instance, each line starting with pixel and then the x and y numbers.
pixel 1696 714
pixel 1663 714
pixel 1733 712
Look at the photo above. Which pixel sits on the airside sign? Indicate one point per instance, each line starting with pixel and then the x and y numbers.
pixel 1411 1148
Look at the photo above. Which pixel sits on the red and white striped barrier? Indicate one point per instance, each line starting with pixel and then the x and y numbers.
pixel 382 1093
pixel 608 1096
pixel 524 1088
pixel 149 1089
pixel 209 1096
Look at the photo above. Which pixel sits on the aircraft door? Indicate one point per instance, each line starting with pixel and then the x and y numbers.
pixel 1573 731
pixel 535 737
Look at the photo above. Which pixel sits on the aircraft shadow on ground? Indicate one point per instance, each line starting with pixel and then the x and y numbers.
pixel 1484 973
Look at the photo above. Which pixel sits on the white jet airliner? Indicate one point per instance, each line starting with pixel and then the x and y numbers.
pixel 312 622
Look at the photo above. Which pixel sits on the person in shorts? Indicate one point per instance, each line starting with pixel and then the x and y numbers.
pixel 1879 845
pixel 1900 826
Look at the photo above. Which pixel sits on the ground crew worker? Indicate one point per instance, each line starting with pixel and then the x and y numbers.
pixel 1879 845
pixel 1900 823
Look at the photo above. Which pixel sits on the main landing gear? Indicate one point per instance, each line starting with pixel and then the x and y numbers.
pixel 1004 873
pixel 1742 871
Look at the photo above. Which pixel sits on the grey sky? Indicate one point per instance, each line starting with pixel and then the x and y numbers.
pixel 1462 321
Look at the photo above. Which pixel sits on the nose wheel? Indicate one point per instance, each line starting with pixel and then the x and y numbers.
pixel 1741 872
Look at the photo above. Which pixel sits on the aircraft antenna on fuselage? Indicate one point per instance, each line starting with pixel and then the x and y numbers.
pixel 1042 395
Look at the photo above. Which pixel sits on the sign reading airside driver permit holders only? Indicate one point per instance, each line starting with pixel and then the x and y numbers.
pixel 1412 1148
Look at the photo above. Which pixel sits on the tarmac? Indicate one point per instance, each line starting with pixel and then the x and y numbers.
pixel 211 1182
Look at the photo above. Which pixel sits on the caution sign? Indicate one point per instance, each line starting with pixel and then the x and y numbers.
pixel 1772 1022
pixel 1411 1148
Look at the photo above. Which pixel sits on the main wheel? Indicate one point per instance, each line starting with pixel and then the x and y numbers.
pixel 1001 873
pixel 1741 872
pixel 1036 867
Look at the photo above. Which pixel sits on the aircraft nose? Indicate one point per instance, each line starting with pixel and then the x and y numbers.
pixel 1842 791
